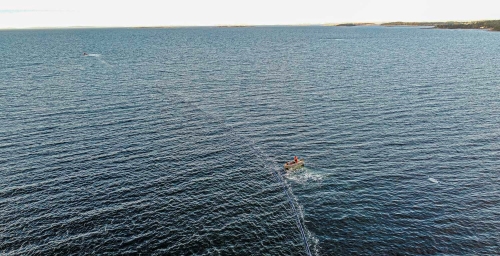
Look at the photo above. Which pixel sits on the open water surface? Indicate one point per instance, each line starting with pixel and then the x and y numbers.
pixel 172 141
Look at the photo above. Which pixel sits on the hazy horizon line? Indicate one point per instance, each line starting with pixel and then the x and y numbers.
pixel 236 25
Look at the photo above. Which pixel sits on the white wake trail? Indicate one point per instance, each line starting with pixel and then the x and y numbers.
pixel 97 56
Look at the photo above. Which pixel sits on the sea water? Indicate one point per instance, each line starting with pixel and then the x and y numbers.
pixel 172 141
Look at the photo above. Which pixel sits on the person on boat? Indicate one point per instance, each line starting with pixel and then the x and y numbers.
pixel 295 159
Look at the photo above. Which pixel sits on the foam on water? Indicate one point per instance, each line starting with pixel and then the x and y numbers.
pixel 303 175
pixel 98 56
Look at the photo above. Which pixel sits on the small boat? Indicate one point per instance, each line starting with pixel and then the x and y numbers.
pixel 292 165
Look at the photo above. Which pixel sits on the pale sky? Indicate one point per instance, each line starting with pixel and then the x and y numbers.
pixel 104 13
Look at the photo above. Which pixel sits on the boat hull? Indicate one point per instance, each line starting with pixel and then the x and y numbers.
pixel 293 166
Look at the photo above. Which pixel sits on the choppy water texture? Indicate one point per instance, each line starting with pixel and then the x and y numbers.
pixel 171 141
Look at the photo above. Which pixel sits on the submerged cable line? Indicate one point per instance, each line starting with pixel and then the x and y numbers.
pixel 275 169
pixel 296 212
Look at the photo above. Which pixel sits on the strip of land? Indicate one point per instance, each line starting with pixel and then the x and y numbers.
pixel 493 25
pixel 235 26
pixel 351 24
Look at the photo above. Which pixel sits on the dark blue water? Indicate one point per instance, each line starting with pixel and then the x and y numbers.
pixel 172 141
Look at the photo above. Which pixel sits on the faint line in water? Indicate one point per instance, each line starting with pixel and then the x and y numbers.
pixel 230 131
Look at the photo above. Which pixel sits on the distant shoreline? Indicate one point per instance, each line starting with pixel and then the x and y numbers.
pixel 354 24
pixel 491 25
